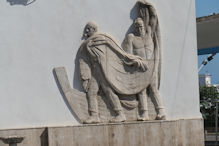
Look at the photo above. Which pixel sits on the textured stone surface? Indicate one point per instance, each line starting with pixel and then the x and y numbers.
pixel 188 132
pixel 32 137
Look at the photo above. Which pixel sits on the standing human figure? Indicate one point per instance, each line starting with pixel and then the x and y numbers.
pixel 144 42
pixel 93 79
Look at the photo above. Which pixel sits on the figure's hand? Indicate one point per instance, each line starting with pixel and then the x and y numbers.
pixel 141 65
pixel 100 41
pixel 136 61
pixel 90 43
pixel 145 2
pixel 85 85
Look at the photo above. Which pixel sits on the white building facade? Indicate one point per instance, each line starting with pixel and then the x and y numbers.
pixel 204 80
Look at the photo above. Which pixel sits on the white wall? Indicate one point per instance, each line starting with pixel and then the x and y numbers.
pixel 36 38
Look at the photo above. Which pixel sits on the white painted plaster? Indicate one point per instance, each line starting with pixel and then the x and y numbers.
pixel 36 38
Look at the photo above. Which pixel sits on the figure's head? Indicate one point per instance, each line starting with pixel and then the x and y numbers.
pixel 139 27
pixel 90 29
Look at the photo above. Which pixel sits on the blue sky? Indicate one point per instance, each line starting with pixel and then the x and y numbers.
pixel 204 8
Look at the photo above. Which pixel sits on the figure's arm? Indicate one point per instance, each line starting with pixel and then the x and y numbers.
pixel 89 48
pixel 128 45
pixel 153 17
pixel 100 40
pixel 85 73
pixel 144 13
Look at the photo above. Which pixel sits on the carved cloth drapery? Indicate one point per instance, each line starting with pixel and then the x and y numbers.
pixel 145 14
pixel 117 66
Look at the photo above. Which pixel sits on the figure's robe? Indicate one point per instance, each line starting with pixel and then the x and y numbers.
pixel 125 73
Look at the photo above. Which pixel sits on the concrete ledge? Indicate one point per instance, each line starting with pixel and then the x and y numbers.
pixel 188 132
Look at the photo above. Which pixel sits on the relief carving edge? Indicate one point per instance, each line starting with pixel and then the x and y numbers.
pixel 110 72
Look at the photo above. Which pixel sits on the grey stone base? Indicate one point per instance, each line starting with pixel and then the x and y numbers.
pixel 187 132
pixel 156 133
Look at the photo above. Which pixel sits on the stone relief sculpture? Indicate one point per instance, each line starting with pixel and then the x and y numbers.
pixel 145 42
pixel 117 81
pixel 103 64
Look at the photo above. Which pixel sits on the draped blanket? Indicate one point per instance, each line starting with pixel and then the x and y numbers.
pixel 127 74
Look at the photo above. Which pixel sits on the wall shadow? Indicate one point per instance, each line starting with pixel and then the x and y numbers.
pixel 21 2
pixel 76 79
pixel 44 141
pixel 64 98
pixel 133 15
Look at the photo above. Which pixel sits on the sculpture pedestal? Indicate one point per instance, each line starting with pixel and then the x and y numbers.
pixel 188 132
